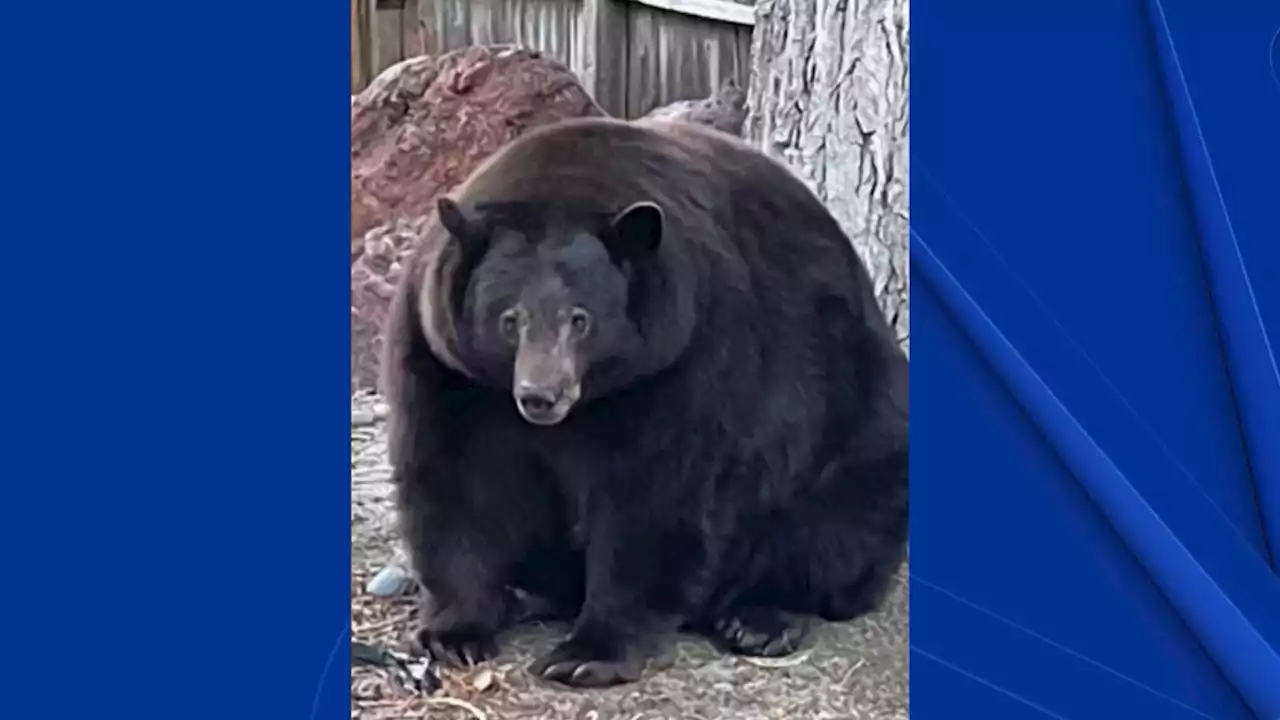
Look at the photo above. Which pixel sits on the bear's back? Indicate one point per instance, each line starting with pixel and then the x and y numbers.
pixel 758 292
pixel 723 199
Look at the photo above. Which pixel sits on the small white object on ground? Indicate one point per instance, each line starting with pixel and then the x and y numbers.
pixel 483 680
pixel 390 581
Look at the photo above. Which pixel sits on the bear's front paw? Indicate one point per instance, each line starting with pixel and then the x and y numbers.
pixel 458 646
pixel 583 662
pixel 462 633
pixel 759 632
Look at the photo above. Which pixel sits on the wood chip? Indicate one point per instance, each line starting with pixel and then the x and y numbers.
pixel 483 681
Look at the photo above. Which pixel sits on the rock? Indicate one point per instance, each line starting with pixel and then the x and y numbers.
pixel 390 581
pixel 417 131
pixel 725 109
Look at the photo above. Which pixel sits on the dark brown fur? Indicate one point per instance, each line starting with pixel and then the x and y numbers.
pixel 744 467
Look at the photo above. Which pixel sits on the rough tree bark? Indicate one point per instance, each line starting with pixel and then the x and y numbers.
pixel 828 96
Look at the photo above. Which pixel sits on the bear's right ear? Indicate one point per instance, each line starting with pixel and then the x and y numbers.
pixel 454 220
pixel 637 230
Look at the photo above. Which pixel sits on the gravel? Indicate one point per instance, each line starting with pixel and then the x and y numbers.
pixel 848 671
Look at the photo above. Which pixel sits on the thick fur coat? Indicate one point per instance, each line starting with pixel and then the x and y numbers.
pixel 698 418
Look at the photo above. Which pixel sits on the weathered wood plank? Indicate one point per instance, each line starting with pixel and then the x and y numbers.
pixel 552 27
pixel 388 38
pixel 604 53
pixel 678 57
pixel 418 38
pixel 357 74
pixel 632 55
pixel 717 10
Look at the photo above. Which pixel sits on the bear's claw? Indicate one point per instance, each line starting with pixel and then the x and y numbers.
pixel 760 632
pixel 459 648
pixel 573 664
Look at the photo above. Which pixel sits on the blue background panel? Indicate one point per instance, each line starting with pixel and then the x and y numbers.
pixel 1034 552
pixel 1047 670
pixel 1225 71
pixel 953 692
pixel 175 288
pixel 1092 374
pixel 1227 120
pixel 1086 160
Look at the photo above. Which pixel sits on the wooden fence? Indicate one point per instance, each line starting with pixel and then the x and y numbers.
pixel 633 55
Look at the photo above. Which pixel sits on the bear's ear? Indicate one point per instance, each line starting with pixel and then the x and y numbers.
pixel 637 229
pixel 455 220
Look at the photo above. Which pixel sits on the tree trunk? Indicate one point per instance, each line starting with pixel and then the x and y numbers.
pixel 828 96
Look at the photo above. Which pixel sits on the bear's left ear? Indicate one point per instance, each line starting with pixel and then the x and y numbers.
pixel 455 220
pixel 637 229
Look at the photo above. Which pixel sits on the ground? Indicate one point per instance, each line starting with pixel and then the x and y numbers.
pixel 849 671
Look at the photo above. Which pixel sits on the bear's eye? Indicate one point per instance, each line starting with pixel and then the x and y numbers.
pixel 580 321
pixel 509 324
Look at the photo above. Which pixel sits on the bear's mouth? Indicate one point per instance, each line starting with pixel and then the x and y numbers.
pixel 545 409
pixel 544 416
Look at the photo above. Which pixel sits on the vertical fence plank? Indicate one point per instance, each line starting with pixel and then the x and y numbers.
pixel 357 79
pixel 362 53
pixel 387 34
pixel 412 39
pixel 604 42
pixel 631 56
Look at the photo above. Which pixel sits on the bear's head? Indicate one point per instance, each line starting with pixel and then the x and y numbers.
pixel 545 307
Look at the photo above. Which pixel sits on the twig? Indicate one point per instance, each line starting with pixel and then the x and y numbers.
pixel 782 662
pixel 383 624
pixel 849 675
pixel 475 712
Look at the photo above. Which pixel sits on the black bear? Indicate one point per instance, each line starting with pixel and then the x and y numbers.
pixel 637 370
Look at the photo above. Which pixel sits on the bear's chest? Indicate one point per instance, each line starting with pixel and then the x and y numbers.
pixel 584 463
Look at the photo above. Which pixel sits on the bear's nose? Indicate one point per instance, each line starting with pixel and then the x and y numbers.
pixel 536 401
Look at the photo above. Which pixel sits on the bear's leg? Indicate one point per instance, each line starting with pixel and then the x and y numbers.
pixel 468 521
pixel 834 555
pixel 747 614
pixel 854 538
pixel 550 583
pixel 641 569
pixel 463 604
